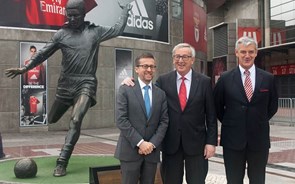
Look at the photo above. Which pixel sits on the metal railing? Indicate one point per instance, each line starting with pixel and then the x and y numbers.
pixel 286 112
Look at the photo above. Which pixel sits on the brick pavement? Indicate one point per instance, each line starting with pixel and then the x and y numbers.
pixel 281 167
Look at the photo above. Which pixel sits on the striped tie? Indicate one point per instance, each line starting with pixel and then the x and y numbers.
pixel 248 85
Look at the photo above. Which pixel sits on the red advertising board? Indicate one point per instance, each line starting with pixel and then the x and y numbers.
pixel 194 26
pixel 283 69
pixel 278 36
pixel 253 32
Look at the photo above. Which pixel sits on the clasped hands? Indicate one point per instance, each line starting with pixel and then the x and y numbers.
pixel 145 148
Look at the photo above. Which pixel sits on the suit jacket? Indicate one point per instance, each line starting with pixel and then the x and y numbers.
pixel 197 124
pixel 243 122
pixel 134 124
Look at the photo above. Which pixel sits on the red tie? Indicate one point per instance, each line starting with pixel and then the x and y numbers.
pixel 248 85
pixel 182 94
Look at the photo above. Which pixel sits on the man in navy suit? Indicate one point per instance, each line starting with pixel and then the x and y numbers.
pixel 143 120
pixel 192 133
pixel 244 115
pixel 191 136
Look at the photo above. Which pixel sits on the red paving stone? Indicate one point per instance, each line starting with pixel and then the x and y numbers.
pixel 273 139
pixel 283 156
pixel 103 148
pixel 81 148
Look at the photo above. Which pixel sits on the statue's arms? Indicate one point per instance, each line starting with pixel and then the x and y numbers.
pixel 118 28
pixel 128 7
pixel 13 72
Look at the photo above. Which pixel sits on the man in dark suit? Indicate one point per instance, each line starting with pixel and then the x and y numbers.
pixel 143 120
pixel 192 133
pixel 191 136
pixel 244 113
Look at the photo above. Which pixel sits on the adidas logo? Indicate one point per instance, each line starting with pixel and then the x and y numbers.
pixel 123 74
pixel 139 17
pixel 34 77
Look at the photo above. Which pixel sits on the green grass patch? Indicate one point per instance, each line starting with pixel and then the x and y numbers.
pixel 77 171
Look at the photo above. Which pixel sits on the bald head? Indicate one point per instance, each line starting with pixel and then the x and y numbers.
pixel 76 4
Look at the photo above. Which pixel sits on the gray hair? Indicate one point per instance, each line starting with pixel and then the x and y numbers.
pixel 184 45
pixel 245 40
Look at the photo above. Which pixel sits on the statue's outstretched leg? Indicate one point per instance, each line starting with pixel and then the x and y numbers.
pixel 79 110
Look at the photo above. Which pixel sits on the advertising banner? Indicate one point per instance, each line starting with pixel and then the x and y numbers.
pixel 148 19
pixel 253 32
pixel 195 26
pixel 33 89
pixel 283 69
pixel 124 66
pixel 278 36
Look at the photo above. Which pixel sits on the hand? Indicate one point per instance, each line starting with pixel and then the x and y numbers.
pixel 145 148
pixel 127 6
pixel 209 151
pixel 13 72
pixel 128 81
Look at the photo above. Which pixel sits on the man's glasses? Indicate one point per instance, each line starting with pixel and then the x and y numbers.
pixel 184 57
pixel 147 66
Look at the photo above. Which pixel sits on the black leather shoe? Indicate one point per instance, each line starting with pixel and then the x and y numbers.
pixel 59 170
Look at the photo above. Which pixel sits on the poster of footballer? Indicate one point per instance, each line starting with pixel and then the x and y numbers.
pixel 33 88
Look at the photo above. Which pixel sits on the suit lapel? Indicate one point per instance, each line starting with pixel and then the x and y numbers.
pixel 258 81
pixel 238 81
pixel 174 93
pixel 155 96
pixel 194 86
pixel 138 94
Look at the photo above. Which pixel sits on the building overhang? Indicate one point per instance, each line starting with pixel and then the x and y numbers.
pixel 284 48
pixel 213 4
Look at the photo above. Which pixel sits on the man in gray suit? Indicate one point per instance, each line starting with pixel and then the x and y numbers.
pixel 143 123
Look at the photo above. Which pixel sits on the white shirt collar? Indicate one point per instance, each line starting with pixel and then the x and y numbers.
pixel 142 84
pixel 188 76
pixel 251 70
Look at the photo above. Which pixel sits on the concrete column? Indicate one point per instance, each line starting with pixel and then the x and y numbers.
pixel 267 22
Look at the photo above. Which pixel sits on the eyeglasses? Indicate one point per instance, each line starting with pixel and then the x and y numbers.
pixel 184 57
pixel 147 66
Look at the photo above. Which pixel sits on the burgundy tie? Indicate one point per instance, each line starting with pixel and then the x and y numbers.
pixel 182 94
pixel 248 85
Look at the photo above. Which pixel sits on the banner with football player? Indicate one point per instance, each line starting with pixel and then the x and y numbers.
pixel 33 88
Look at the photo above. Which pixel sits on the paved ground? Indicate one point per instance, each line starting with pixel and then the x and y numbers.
pixel 280 169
